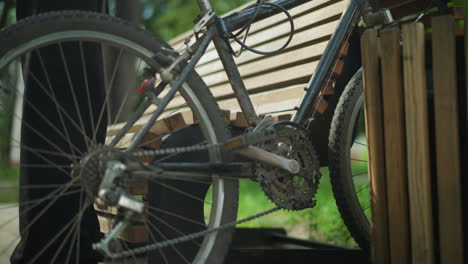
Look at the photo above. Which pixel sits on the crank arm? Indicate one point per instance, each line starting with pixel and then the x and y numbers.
pixel 270 158
pixel 196 171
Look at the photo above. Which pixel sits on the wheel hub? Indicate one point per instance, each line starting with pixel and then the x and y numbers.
pixel 91 169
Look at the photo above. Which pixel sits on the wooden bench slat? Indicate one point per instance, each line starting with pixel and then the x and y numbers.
pixel 318 32
pixel 308 37
pixel 280 61
pixel 261 100
pixel 302 23
pixel 133 234
pixel 292 75
pixel 297 11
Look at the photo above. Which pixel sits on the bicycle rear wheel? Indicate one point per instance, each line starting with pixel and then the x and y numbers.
pixel 61 73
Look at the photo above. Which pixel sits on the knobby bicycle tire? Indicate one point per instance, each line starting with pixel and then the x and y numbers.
pixel 348 150
pixel 49 35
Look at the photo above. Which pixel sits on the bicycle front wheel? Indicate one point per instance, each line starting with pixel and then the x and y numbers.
pixel 68 79
pixel 348 161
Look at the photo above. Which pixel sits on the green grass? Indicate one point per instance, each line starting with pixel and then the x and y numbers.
pixel 322 223
pixel 8 179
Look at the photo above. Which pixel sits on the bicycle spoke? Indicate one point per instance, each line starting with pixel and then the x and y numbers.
pixel 46 120
pixel 33 201
pixel 181 192
pixel 163 255
pixel 36 150
pixel 36 202
pixel 78 240
pixel 58 106
pixel 72 90
pixel 176 215
pixel 34 186
pixel 108 90
pixel 170 226
pixel 359 143
pixel 128 248
pixel 366 187
pixel 359 174
pixel 172 245
pixel 23 231
pixel 127 96
pixel 359 160
pixel 54 238
pixel 64 240
pixel 88 96
pixel 46 207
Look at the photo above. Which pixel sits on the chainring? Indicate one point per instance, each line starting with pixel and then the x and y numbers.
pixel 291 191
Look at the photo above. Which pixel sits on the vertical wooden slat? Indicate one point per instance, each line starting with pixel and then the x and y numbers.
pixel 419 175
pixel 395 146
pixel 374 129
pixel 466 63
pixel 447 140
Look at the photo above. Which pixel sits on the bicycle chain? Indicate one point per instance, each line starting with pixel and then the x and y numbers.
pixel 155 246
pixel 175 150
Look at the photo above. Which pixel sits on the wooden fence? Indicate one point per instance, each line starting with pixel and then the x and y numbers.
pixel 416 111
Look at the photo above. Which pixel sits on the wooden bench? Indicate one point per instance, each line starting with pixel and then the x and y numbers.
pixel 275 83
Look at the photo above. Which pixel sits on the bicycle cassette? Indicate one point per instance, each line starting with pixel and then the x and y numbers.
pixel 291 191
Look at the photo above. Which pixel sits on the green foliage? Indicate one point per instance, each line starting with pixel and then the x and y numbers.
pixel 168 19
pixel 322 223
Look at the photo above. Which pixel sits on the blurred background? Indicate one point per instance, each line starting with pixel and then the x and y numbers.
pixel 163 18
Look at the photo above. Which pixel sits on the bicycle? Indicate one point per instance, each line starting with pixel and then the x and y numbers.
pixel 66 134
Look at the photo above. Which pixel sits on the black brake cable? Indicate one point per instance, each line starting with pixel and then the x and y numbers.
pixel 246 29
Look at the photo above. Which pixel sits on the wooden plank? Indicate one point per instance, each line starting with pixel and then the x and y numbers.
pixel 466 68
pixel 374 132
pixel 309 37
pixel 170 122
pixel 175 122
pixel 338 69
pixel 240 121
pixel 306 7
pixel 265 41
pixel 270 101
pixel 307 21
pixel 293 75
pixel 225 89
pixel 133 233
pixel 418 150
pixel 137 187
pixel 395 147
pixel 283 117
pixel 320 106
pixel 270 63
pixel 313 19
pixel 447 140
pixel 159 127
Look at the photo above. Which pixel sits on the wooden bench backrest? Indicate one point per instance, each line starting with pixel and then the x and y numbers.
pixel 276 83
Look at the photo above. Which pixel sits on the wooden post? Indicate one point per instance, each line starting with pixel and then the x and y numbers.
pixel 417 133
pixel 395 146
pixel 447 140
pixel 374 129
pixel 466 64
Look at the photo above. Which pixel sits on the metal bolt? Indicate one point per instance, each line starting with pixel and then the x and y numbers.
pixel 294 166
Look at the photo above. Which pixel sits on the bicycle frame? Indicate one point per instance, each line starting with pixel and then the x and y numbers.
pixel 218 30
pixel 322 73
